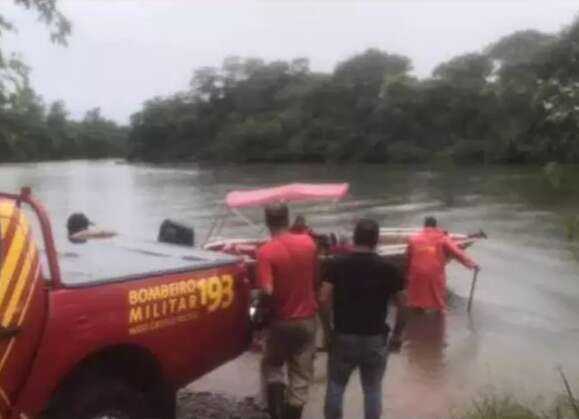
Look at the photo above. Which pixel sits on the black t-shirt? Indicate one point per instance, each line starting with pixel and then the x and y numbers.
pixel 363 284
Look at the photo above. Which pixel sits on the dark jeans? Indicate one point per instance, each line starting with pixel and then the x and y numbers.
pixel 369 354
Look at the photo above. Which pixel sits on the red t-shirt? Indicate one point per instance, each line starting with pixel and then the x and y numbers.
pixel 288 264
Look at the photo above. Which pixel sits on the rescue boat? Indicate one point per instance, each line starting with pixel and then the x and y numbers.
pixel 392 241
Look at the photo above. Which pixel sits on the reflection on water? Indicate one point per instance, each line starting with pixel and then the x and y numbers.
pixel 425 343
pixel 525 317
pixel 426 365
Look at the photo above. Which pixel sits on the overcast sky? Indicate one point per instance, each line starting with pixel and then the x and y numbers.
pixel 122 52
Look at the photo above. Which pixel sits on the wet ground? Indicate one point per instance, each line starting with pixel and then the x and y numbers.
pixel 208 405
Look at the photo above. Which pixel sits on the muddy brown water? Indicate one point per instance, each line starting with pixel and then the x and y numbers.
pixel 525 321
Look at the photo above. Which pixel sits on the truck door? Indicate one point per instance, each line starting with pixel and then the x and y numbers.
pixel 22 302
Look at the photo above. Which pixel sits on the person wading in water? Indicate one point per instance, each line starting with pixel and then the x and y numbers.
pixel 79 230
pixel 426 255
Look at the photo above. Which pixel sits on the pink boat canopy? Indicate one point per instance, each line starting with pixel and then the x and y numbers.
pixel 287 193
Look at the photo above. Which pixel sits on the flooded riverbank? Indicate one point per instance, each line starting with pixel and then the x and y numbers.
pixel 524 321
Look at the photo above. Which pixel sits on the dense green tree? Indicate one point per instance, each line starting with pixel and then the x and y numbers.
pixel 516 101
pixel 469 71
pixel 13 72
pixel 30 131
pixel 520 47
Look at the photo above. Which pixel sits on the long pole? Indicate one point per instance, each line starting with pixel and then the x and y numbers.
pixel 472 288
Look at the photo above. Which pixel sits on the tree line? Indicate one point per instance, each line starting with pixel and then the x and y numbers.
pixel 30 129
pixel 516 101
pixel 33 131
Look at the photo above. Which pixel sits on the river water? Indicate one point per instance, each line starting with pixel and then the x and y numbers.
pixel 525 321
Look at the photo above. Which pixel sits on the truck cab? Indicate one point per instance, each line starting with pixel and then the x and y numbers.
pixel 109 329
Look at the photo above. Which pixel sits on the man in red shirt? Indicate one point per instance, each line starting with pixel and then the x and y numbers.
pixel 427 255
pixel 287 275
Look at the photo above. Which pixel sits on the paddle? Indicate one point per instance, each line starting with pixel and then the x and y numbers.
pixel 472 288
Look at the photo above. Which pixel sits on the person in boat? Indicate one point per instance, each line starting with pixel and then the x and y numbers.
pixel 360 286
pixel 341 246
pixel 426 255
pixel 287 275
pixel 79 229
pixel 300 225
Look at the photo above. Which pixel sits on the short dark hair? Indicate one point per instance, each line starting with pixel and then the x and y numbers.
pixel 277 216
pixel 366 233
pixel 77 222
pixel 300 219
pixel 430 221
pixel 299 225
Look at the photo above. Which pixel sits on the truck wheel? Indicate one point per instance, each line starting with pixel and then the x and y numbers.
pixel 104 399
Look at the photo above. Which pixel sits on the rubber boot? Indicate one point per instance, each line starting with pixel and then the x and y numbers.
pixel 293 412
pixel 276 400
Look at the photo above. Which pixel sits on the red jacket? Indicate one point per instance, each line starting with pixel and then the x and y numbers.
pixel 427 255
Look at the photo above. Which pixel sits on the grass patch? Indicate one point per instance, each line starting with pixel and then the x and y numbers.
pixel 566 406
pixel 504 407
pixel 495 407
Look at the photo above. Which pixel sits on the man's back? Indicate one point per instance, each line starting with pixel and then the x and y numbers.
pixel 288 262
pixel 360 286
pixel 427 253
pixel 362 283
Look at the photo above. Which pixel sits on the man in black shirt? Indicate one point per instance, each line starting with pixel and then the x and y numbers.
pixel 360 287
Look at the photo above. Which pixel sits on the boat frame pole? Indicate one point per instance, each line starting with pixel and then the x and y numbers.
pixel 244 218
pixel 217 225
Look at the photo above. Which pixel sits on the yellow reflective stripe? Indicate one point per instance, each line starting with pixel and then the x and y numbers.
pixel 20 319
pixel 29 298
pixel 6 209
pixel 11 259
pixel 5 216
pixel 4 225
pixel 22 281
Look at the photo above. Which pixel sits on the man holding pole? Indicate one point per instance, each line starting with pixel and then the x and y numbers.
pixel 427 255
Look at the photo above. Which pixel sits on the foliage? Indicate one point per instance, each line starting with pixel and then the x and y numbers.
pixel 504 407
pixel 13 72
pixel 519 47
pixel 29 130
pixel 517 101
pixel 501 408
pixel 494 407
pixel 468 71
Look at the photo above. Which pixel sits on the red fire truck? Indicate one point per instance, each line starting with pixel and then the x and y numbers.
pixel 106 330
